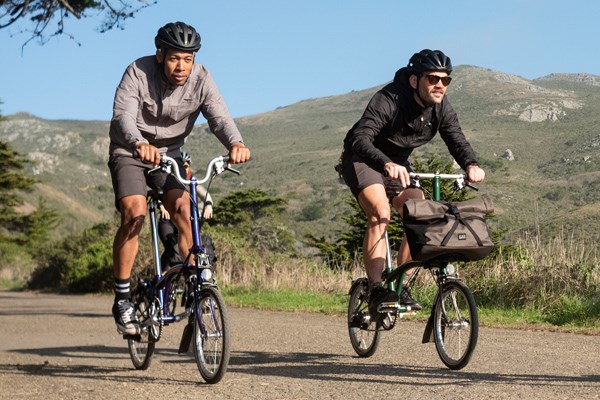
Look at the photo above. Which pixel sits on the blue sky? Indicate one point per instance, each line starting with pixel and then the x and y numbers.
pixel 269 53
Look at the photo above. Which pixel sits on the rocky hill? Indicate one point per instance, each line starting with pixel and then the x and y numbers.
pixel 538 140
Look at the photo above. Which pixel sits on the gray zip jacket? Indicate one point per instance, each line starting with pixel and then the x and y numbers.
pixel 148 109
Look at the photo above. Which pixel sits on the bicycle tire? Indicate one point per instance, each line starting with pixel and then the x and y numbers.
pixel 141 348
pixel 364 334
pixel 455 325
pixel 211 335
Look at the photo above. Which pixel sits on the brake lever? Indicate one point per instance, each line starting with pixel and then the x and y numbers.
pixel 467 184
pixel 235 171
pixel 155 169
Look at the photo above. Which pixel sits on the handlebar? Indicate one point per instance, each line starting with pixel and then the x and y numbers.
pixel 460 180
pixel 431 175
pixel 216 166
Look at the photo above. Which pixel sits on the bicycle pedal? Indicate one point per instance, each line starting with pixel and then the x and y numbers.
pixel 408 313
pixel 387 307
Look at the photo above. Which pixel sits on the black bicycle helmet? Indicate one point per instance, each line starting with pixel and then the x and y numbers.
pixel 186 157
pixel 178 36
pixel 429 60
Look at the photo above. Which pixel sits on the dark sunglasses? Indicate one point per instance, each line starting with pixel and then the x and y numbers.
pixel 434 79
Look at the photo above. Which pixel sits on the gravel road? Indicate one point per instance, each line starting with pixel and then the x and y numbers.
pixel 66 347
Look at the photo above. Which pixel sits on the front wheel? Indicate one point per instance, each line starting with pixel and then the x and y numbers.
pixel 455 324
pixel 364 335
pixel 211 335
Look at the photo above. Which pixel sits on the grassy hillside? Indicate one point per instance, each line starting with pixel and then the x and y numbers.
pixel 549 124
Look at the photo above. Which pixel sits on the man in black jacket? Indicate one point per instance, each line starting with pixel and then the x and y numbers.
pixel 405 114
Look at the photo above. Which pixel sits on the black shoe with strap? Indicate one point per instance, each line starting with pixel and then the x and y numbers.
pixel 407 300
pixel 380 294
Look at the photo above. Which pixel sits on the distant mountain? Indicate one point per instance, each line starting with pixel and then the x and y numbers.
pixel 538 140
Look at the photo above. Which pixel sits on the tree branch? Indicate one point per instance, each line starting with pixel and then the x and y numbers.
pixel 23 8
pixel 66 5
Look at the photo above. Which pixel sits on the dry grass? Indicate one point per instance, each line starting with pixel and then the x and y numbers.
pixel 280 272
pixel 532 272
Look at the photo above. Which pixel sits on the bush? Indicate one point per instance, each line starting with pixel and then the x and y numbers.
pixel 15 264
pixel 78 263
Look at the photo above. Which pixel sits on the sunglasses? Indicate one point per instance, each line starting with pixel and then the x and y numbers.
pixel 434 79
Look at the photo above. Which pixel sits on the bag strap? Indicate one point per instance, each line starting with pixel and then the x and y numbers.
pixel 455 212
pixel 450 233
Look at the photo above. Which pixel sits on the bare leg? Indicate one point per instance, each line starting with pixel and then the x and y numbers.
pixel 398 203
pixel 125 245
pixel 374 202
pixel 177 203
pixel 404 251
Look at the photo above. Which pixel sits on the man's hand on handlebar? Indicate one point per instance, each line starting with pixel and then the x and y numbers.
pixel 239 154
pixel 475 173
pixel 395 171
pixel 148 153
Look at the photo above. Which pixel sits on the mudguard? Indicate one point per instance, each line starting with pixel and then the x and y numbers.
pixel 186 338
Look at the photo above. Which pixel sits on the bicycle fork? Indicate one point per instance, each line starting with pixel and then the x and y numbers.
pixel 441 278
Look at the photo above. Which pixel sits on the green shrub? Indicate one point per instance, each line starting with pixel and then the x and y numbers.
pixel 80 262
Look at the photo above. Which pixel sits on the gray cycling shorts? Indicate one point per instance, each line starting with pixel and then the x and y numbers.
pixel 358 176
pixel 129 177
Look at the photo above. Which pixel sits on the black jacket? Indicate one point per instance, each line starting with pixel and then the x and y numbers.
pixel 394 124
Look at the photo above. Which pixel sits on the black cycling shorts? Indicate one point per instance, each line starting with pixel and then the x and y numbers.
pixel 358 175
pixel 129 177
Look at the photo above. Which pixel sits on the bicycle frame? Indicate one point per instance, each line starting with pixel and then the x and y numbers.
pixel 161 284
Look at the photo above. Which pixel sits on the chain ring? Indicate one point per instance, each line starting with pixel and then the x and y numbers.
pixel 155 315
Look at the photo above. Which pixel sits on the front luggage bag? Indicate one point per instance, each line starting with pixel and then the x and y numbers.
pixel 449 231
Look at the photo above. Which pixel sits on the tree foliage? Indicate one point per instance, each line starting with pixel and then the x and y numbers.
pixel 257 216
pixel 247 205
pixel 25 229
pixel 12 179
pixel 348 246
pixel 39 15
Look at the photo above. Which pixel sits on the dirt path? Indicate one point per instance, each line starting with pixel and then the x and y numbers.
pixel 65 347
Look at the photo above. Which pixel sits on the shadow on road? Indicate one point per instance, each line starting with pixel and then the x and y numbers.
pixel 335 367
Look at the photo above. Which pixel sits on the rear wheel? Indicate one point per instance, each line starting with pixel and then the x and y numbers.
pixel 364 335
pixel 177 287
pixel 141 347
pixel 211 335
pixel 456 325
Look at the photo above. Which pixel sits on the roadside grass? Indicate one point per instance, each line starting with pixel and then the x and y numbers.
pixel 285 300
pixel 569 319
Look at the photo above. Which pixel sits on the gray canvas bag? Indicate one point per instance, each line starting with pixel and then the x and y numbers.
pixel 448 231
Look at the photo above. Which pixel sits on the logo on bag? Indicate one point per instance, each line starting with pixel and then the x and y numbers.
pixel 462 236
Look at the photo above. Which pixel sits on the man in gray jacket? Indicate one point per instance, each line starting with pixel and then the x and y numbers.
pixel 156 106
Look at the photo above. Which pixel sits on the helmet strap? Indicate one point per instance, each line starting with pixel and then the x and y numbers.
pixel 415 88
pixel 160 56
